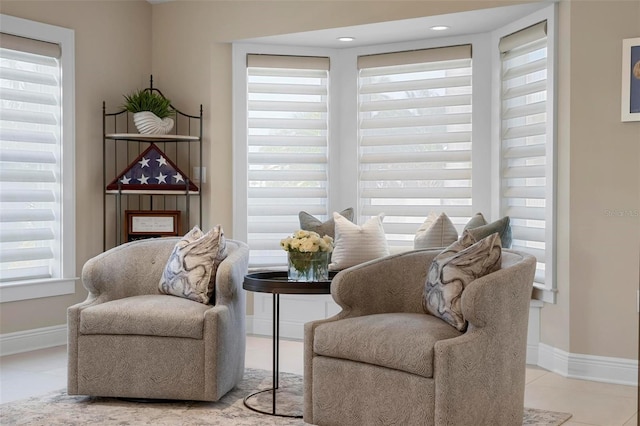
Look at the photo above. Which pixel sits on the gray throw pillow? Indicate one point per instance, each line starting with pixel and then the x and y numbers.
pixel 477 220
pixel 311 223
pixel 450 273
pixel 482 230
pixel 191 269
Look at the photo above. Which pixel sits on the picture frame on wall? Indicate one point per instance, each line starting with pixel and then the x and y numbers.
pixel 142 224
pixel 631 79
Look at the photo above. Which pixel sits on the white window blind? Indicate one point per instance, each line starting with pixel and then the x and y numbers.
pixel 287 149
pixel 526 146
pixel 30 152
pixel 415 137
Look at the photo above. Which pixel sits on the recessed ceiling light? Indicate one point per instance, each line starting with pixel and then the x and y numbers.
pixel 440 28
pixel 346 38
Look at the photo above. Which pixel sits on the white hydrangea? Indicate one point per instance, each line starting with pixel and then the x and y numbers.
pixel 307 242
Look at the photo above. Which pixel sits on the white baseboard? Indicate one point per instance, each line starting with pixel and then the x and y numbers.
pixel 533 332
pixel 576 366
pixel 619 371
pixel 31 340
pixel 532 353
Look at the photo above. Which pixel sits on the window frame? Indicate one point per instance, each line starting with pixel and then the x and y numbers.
pixel 266 223
pixel 486 121
pixel 240 129
pixel 548 293
pixel 378 74
pixel 66 282
pixel 343 88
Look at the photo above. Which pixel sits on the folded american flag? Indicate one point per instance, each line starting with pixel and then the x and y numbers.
pixel 152 171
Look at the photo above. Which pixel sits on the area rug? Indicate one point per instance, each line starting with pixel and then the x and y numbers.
pixel 58 408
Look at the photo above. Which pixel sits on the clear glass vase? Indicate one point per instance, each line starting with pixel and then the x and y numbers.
pixel 308 267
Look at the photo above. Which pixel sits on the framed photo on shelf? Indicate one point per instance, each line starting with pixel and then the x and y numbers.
pixel 631 79
pixel 142 224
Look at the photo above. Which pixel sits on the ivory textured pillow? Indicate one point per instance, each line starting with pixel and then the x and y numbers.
pixel 450 274
pixel 311 223
pixel 191 269
pixel 355 244
pixel 436 231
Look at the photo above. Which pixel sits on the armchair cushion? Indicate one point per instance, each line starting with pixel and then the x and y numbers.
pixel 191 269
pixel 449 275
pixel 147 315
pixel 393 340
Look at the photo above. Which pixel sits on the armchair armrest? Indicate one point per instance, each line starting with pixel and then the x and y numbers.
pixel 390 284
pixel 231 272
pixel 127 270
pixel 500 300
pixel 497 308
pixel 226 321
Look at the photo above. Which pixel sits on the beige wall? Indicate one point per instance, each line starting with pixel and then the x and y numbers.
pixel 113 57
pixel 603 178
pixel 598 157
pixel 599 167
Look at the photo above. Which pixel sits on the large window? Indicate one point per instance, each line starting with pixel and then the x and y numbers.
pixel 287 143
pixel 415 137
pixel 36 160
pixel 526 146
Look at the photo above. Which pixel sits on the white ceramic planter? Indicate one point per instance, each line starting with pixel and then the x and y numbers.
pixel 148 123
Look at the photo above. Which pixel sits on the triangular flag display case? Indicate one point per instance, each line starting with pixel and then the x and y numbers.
pixel 152 182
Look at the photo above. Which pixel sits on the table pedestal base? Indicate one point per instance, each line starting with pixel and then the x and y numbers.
pixel 275 366
pixel 270 413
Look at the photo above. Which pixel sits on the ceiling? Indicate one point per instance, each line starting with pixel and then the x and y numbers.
pixel 472 22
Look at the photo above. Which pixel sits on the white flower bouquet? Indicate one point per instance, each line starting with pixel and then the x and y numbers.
pixel 307 242
pixel 308 255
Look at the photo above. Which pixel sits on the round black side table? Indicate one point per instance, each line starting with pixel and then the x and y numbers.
pixel 277 283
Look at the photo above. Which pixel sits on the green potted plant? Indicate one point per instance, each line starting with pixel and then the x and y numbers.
pixel 151 111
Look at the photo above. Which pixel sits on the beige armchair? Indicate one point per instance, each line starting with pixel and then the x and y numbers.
pixel 128 340
pixel 383 361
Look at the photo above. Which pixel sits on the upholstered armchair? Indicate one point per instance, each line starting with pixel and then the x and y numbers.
pixel 129 340
pixel 382 360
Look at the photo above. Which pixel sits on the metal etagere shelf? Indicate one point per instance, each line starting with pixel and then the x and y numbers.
pixel 122 145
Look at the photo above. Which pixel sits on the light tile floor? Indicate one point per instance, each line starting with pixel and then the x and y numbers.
pixel 591 403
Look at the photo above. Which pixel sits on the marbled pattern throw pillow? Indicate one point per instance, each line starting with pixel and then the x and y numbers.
pixel 191 269
pixel 450 274
pixel 311 223
pixel 465 241
pixel 355 244
pixel 481 229
pixel 436 231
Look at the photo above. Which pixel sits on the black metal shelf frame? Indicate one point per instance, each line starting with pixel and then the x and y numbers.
pixel 121 145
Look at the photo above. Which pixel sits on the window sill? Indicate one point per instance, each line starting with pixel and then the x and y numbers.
pixel 36 289
pixel 544 294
